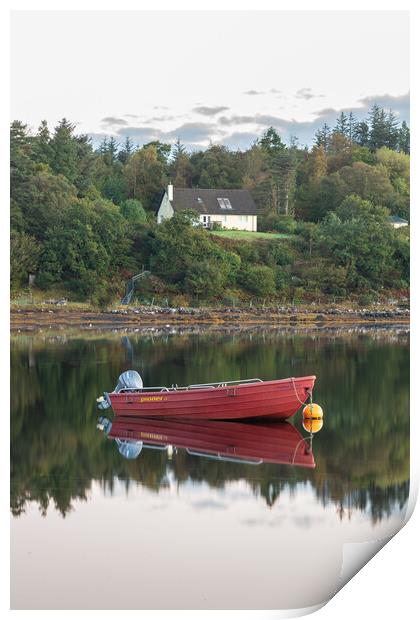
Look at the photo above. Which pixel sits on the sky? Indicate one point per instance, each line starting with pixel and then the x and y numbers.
pixel 206 77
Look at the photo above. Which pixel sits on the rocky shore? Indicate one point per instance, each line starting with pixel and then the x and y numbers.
pixel 57 314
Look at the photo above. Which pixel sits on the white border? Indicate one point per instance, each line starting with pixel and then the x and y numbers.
pixel 388 585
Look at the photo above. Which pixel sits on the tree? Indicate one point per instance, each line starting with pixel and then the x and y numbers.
pixel 361 133
pixel 50 198
pixel 351 126
pixel 217 167
pixel 42 149
pixel 271 141
pixel 132 210
pixel 392 129
pixel 259 280
pixel 181 169
pixel 126 151
pixel 163 150
pixel 145 176
pixel 22 168
pixel 342 124
pixel 361 240
pixel 322 137
pixel 64 150
pixel 185 255
pixel 326 196
pixel 369 182
pixel 86 249
pixel 404 138
pixel 24 257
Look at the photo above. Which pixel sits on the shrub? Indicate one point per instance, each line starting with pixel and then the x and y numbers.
pixel 259 280
pixel 278 223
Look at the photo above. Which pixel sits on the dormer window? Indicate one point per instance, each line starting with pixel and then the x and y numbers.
pixel 224 203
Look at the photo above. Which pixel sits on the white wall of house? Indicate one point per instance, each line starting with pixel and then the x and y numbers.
pixel 239 222
pixel 165 210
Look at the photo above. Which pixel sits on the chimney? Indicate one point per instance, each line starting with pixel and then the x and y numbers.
pixel 170 192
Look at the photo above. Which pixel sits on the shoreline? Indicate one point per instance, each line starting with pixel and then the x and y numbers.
pixel 33 319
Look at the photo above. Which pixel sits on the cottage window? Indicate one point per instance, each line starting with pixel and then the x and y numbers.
pixel 224 203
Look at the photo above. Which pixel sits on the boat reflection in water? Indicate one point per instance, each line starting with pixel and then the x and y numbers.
pixel 250 443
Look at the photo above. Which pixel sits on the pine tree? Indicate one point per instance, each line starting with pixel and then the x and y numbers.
pixel 342 124
pixel 126 151
pixel 392 126
pixel 271 141
pixel 404 138
pixel 177 149
pixel 103 147
pixel 322 137
pixel 352 122
pixel 112 151
pixel 283 180
pixel 361 133
pixel 64 150
pixel 42 149
pixel 378 128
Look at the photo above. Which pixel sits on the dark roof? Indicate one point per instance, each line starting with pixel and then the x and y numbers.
pixel 395 219
pixel 205 201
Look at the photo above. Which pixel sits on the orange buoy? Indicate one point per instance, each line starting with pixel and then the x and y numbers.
pixel 313 425
pixel 313 411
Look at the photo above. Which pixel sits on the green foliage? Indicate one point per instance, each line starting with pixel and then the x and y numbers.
pixel 278 223
pixel 132 210
pixel 24 257
pixel 359 239
pixel 85 219
pixel 186 255
pixel 145 176
pixel 258 280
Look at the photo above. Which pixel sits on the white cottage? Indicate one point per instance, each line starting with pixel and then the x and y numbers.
pixel 231 208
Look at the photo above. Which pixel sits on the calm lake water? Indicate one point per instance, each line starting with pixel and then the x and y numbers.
pixel 170 529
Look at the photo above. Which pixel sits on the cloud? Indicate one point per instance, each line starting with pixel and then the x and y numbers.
pixel 399 104
pixel 113 120
pixel 275 91
pixel 210 110
pixel 141 134
pixel 240 131
pixel 241 140
pixel 131 115
pixel 204 504
pixel 195 132
pixel 253 92
pixel 159 119
pixel 307 94
pixel 255 119
pixel 191 134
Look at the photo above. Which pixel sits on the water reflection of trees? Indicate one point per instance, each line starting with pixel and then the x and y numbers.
pixel 362 453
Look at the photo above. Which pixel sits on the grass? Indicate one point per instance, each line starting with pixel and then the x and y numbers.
pixel 249 236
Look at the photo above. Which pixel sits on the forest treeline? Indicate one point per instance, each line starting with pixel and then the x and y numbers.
pixel 83 219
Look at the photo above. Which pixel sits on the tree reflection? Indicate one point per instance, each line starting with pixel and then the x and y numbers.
pixel 362 453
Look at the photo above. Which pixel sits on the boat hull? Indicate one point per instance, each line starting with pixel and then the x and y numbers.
pixel 278 399
pixel 252 442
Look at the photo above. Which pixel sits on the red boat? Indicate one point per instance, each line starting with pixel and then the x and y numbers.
pixel 229 400
pixel 249 443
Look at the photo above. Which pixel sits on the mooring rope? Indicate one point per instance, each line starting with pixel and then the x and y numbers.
pixel 302 402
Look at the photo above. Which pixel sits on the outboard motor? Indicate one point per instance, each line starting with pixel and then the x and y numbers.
pixel 130 379
pixel 129 448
